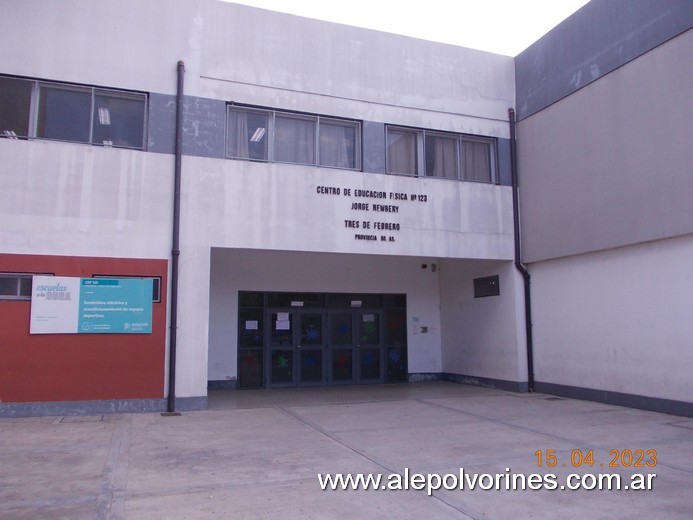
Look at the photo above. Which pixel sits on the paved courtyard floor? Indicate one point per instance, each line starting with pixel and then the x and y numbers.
pixel 256 454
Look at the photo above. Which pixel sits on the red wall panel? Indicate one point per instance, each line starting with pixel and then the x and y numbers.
pixel 79 367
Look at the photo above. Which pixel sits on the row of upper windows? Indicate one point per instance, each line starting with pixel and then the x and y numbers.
pixel 259 134
pixel 47 110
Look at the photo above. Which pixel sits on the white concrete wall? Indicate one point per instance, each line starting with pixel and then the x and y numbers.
pixel 75 199
pixel 125 44
pixel 237 53
pixel 273 59
pixel 617 320
pixel 277 206
pixel 483 337
pixel 235 270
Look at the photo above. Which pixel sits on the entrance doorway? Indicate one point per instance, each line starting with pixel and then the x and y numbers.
pixel 314 339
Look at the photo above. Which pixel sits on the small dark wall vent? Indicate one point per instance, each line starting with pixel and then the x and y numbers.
pixel 487 286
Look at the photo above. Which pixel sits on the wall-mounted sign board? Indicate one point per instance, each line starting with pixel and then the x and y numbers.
pixel 67 305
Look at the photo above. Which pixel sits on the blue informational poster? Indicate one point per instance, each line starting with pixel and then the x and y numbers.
pixel 115 305
pixel 66 305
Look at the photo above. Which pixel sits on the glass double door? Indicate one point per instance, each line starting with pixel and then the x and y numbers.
pixel 324 347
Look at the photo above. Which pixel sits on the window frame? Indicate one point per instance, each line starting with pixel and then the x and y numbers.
pixel 295 117
pixel 419 164
pixel 19 276
pixel 271 136
pixel 38 87
pixel 266 135
pixel 346 123
pixel 25 117
pixel 493 157
pixel 421 159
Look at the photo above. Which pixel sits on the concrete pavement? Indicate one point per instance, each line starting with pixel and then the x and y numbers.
pixel 256 454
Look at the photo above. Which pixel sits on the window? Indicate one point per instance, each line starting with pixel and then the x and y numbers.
pixel 64 113
pixel 266 135
pixel 15 104
pixel 71 113
pixel 441 156
pixel 438 154
pixel 247 134
pixel 338 144
pixel 294 139
pixel 402 148
pixel 15 286
pixel 118 119
pixel 476 161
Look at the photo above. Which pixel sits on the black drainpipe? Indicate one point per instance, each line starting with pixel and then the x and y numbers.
pixel 518 253
pixel 175 252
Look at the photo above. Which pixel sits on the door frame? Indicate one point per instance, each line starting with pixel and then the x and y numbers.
pixel 290 308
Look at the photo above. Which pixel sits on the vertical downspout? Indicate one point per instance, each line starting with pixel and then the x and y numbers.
pixel 175 252
pixel 518 253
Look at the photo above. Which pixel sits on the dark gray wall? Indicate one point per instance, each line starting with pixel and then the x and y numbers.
pixel 204 125
pixel 504 166
pixel 373 149
pixel 161 123
pixel 596 40
pixel 611 165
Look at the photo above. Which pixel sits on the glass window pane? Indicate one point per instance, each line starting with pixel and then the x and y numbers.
pixel 476 161
pixel 247 134
pixel 340 329
pixel 64 113
pixel 369 363
pixel 401 152
pixel 250 327
pixel 250 368
pixel 311 365
pixel 397 363
pixel 311 329
pixel 396 329
pixel 282 366
pixel 294 139
pixel 369 329
pixel 119 119
pixel 250 299
pixel 8 285
pixel 342 365
pixel 15 102
pixel 441 156
pixel 25 283
pixel 338 144
pixel 281 329
pixel 398 301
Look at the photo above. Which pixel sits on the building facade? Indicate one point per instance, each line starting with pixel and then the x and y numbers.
pixel 606 176
pixel 345 205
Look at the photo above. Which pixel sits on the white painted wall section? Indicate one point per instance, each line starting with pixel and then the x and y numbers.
pixel 236 270
pixel 483 337
pixel 617 320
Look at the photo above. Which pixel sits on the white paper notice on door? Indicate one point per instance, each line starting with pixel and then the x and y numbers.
pixel 251 325
pixel 283 325
pixel 368 318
